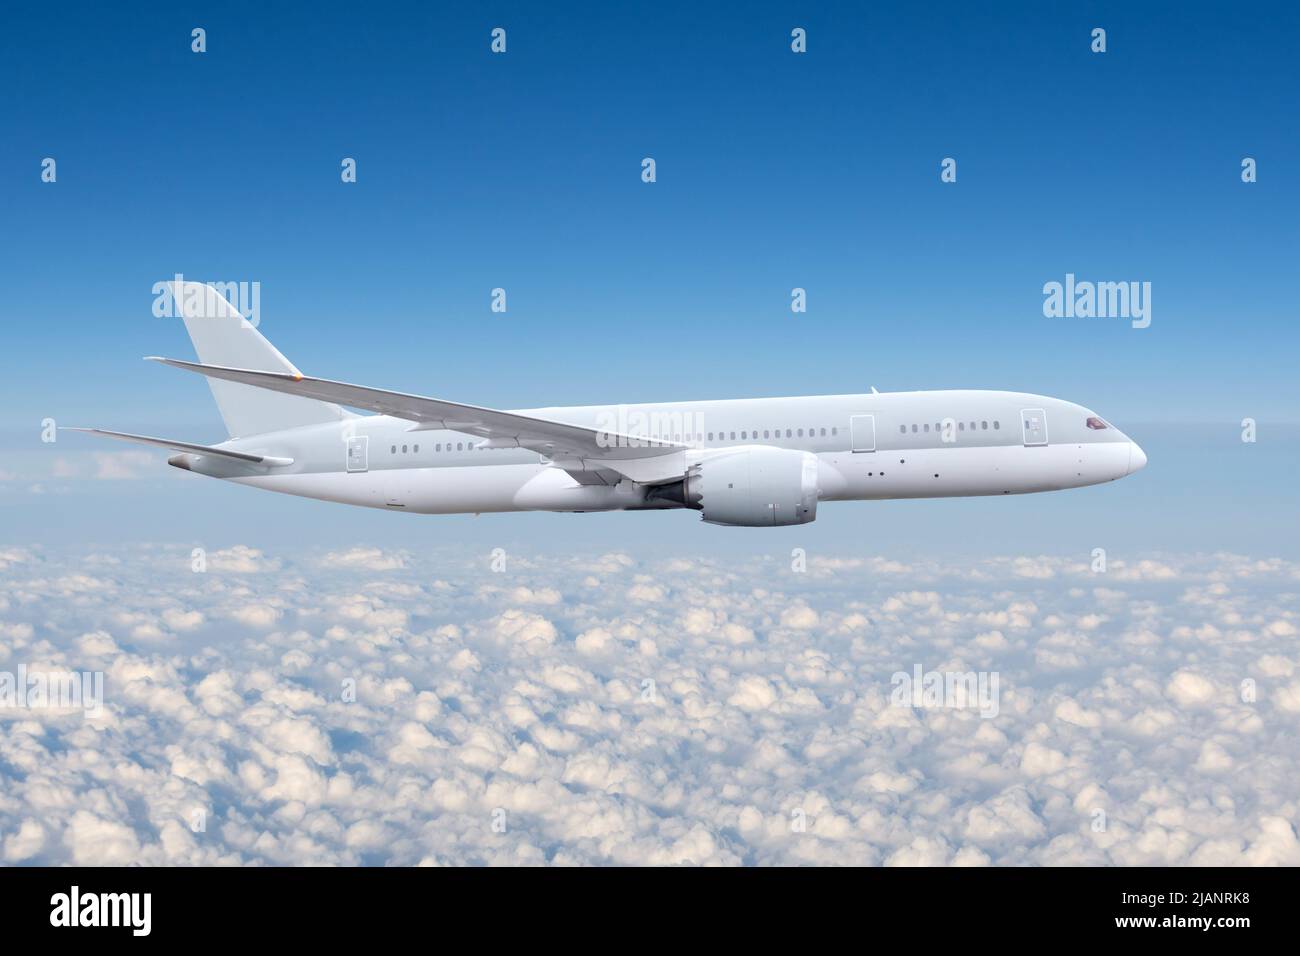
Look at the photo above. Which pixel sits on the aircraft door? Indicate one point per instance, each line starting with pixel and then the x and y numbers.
pixel 358 453
pixel 1033 425
pixel 862 429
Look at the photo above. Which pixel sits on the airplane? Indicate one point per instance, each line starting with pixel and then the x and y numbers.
pixel 742 462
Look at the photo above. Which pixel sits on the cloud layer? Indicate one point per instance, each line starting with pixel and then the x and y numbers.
pixel 376 707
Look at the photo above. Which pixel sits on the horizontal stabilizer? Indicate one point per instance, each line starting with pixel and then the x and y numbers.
pixel 185 446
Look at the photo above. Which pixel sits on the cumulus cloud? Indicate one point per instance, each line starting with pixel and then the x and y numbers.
pixel 240 559
pixel 610 710
pixel 364 559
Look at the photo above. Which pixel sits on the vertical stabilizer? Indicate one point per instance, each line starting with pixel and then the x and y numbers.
pixel 222 336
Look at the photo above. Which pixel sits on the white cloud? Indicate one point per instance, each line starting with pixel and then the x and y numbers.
pixel 800 617
pixel 525 627
pixel 25 842
pixel 256 615
pixel 1190 689
pixel 240 559
pixel 364 559
pixel 96 841
pixel 640 712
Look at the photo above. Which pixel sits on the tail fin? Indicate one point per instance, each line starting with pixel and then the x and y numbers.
pixel 222 336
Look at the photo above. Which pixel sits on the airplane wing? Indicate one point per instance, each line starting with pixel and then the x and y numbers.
pixel 555 440
pixel 185 447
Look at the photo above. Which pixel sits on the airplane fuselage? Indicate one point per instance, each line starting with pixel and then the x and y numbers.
pixel 928 444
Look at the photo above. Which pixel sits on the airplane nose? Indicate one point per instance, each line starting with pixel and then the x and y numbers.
pixel 1137 458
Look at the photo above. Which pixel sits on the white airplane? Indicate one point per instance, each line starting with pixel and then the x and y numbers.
pixel 742 462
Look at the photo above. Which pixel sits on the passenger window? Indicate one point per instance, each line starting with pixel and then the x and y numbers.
pixel 823 433
pixel 835 431
pixel 927 427
pixel 393 451
pixel 984 425
pixel 914 429
pixel 961 426
pixel 789 433
pixel 902 429
pixel 996 426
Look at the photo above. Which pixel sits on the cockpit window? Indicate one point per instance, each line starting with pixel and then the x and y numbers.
pixel 1097 423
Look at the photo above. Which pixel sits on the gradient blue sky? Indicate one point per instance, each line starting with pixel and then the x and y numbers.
pixel 775 170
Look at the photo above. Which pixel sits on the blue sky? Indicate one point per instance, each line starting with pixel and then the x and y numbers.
pixel 775 170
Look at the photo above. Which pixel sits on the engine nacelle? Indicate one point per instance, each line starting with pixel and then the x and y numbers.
pixel 754 487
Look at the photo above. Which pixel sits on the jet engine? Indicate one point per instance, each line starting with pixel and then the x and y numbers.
pixel 750 487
